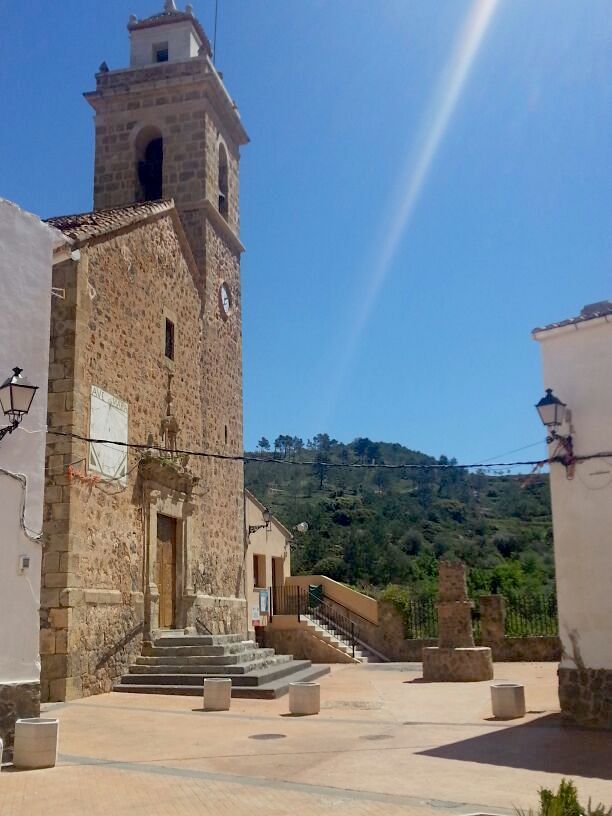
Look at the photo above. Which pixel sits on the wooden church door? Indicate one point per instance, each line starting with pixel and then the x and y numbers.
pixel 166 570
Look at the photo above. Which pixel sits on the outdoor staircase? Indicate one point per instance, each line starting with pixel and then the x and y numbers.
pixel 326 631
pixel 178 663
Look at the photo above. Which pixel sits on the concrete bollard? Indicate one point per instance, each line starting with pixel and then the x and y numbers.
pixel 35 743
pixel 217 693
pixel 508 700
pixel 304 698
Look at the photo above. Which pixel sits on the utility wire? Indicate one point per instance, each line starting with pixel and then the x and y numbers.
pixel 310 463
pixel 515 450
pixel 214 54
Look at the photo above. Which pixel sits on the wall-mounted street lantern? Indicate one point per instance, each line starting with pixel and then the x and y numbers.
pixel 267 517
pixel 553 412
pixel 16 395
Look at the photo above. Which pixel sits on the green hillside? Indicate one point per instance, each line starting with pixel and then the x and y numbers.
pixel 374 527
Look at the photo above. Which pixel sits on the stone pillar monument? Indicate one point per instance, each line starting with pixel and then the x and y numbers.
pixel 455 659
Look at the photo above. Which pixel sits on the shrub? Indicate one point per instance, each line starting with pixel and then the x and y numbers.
pixel 564 803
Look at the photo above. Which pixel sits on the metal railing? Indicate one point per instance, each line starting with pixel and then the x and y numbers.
pixel 531 615
pixel 310 602
pixel 335 623
pixel 201 627
pixel 526 616
pixel 476 630
pixel 288 600
pixel 421 618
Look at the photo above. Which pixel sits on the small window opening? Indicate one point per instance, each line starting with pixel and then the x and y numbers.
pixel 150 170
pixel 169 344
pixel 226 434
pixel 259 571
pixel 223 182
pixel 160 52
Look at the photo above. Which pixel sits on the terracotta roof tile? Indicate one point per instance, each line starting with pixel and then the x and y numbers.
pixel 82 226
pixel 590 312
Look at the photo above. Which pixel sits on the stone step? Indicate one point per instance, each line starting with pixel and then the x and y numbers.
pixel 270 688
pixel 334 638
pixel 262 674
pixel 180 639
pixel 270 673
pixel 192 651
pixel 213 671
pixel 181 668
pixel 277 688
pixel 205 660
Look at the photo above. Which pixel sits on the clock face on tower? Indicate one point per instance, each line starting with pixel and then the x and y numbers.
pixel 225 300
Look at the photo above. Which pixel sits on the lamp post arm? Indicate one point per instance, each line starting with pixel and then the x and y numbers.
pixel 8 429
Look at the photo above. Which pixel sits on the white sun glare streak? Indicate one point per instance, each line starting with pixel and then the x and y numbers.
pixel 434 126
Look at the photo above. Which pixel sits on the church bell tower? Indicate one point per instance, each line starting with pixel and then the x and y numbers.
pixel 167 128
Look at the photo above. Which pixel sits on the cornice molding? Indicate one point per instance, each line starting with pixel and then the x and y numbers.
pixel 220 224
pixel 132 81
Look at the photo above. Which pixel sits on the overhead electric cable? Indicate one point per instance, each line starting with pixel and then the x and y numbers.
pixel 310 463
pixel 214 54
pixel 514 450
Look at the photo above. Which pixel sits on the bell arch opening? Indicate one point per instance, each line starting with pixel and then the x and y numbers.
pixel 150 164
pixel 223 182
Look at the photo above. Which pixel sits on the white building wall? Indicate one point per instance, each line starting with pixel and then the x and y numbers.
pixel 577 365
pixel 183 43
pixel 269 544
pixel 26 248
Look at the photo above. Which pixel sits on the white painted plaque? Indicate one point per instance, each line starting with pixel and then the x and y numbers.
pixel 108 419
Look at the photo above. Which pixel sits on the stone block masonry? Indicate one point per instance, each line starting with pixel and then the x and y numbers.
pixel 467 665
pixel 455 658
pixel 108 333
pixel 452 584
pixel 17 700
pixel 163 544
pixel 181 102
pixel 586 696
pixel 186 104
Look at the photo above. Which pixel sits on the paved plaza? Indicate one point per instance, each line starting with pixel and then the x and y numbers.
pixel 385 742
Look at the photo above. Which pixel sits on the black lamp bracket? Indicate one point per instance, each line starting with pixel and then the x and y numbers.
pixel 8 429
pixel 253 528
pixel 567 457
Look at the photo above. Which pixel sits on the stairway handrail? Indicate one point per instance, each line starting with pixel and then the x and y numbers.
pixel 345 626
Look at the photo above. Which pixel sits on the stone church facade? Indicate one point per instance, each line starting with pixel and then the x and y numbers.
pixel 146 349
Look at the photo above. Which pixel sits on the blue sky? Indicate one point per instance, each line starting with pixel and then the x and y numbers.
pixel 510 228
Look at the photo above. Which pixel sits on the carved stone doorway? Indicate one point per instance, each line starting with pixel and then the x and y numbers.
pixel 169 594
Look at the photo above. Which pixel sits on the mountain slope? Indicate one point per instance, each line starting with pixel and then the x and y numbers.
pixel 372 527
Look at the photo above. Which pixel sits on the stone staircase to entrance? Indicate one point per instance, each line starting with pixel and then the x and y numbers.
pixel 325 631
pixel 178 663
